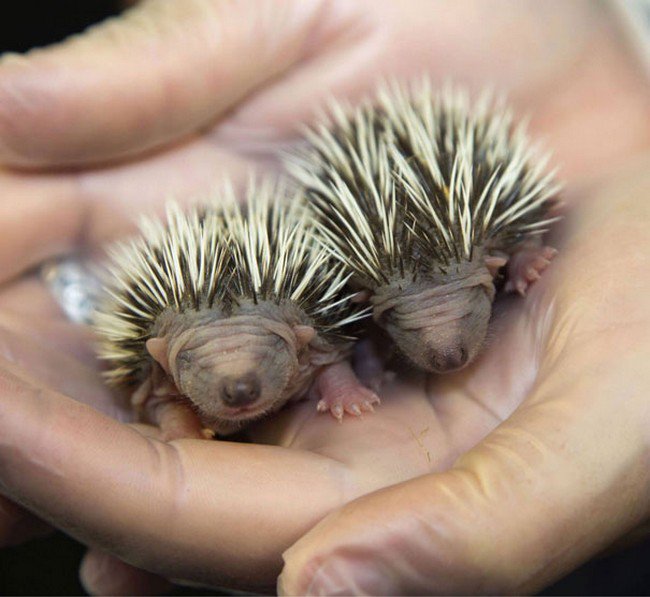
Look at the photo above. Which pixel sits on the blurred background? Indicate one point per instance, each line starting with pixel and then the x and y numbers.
pixel 49 566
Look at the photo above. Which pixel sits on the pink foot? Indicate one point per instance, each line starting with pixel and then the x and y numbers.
pixel 341 392
pixel 178 421
pixel 158 400
pixel 526 266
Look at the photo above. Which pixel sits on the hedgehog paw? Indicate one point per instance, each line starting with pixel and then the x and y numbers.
pixel 178 421
pixel 353 401
pixel 526 266
pixel 341 392
pixel 174 417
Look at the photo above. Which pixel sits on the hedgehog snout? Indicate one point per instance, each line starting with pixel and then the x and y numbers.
pixel 240 391
pixel 442 334
pixel 454 344
pixel 450 360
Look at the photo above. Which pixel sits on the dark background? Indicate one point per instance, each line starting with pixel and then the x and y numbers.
pixel 49 566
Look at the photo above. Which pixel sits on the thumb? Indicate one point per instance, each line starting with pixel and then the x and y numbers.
pixel 558 482
pixel 160 71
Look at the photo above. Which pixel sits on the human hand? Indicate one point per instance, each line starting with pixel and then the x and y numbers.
pixel 563 476
pixel 143 132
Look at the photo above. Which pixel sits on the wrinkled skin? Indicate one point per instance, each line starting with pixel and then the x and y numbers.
pixel 213 372
pixel 498 478
pixel 438 323
pixel 447 346
pixel 235 387
pixel 235 368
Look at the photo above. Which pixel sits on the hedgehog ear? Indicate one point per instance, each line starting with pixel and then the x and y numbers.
pixel 493 263
pixel 304 334
pixel 157 348
pixel 363 296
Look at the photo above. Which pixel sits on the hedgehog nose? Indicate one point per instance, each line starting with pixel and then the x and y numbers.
pixel 451 359
pixel 241 391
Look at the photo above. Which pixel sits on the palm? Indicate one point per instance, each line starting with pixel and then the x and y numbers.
pixel 424 422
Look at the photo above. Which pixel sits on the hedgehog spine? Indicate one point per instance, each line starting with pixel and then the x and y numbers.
pixel 362 168
pixel 217 254
pixel 424 196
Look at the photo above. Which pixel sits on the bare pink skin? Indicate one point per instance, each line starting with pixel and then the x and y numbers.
pixel 157 399
pixel 526 266
pixel 440 322
pixel 219 373
pixel 341 392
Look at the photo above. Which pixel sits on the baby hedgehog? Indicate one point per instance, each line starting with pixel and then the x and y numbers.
pixel 424 197
pixel 226 313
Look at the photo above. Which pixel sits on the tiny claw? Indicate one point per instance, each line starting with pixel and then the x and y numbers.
pixel 532 274
pixel 207 433
pixel 354 409
pixel 374 399
pixel 541 263
pixel 526 267
pixel 337 412
pixel 342 392
pixel 367 406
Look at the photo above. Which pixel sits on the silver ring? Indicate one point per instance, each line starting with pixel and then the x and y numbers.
pixel 74 285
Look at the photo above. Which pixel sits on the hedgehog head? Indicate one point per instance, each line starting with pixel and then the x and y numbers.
pixel 234 369
pixel 439 325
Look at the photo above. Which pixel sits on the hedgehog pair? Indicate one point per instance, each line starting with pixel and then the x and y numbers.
pixel 414 202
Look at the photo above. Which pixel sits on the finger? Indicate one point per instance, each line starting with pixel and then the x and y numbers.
pixel 39 216
pixel 556 483
pixel 29 313
pixel 208 511
pixel 47 361
pixel 103 574
pixel 158 72
pixel 148 431
pixel 44 216
pixel 27 298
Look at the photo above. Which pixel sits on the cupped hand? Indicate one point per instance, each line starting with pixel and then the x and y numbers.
pixel 165 101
